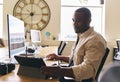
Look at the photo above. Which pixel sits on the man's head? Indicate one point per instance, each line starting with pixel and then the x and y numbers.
pixel 82 19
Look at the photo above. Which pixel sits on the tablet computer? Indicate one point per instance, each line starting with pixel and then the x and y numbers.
pixel 30 61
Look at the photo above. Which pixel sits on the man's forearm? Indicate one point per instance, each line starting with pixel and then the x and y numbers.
pixel 67 71
pixel 65 59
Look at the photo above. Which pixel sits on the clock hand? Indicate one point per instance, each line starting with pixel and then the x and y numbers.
pixel 28 10
pixel 26 17
pixel 31 7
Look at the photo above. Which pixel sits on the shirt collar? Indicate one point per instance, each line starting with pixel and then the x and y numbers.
pixel 86 33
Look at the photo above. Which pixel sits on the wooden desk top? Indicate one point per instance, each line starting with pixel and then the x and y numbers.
pixel 47 50
pixel 13 77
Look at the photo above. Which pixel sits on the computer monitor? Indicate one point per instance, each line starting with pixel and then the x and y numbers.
pixel 16 35
pixel 35 36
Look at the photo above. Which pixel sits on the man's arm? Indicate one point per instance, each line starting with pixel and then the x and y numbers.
pixel 56 71
pixel 57 57
pixel 67 71
pixel 65 59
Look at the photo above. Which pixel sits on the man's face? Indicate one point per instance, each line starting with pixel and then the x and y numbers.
pixel 79 22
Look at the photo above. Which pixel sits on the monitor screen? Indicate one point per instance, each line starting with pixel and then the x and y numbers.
pixel 16 35
pixel 35 35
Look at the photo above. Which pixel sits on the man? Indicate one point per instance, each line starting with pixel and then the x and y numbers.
pixel 87 52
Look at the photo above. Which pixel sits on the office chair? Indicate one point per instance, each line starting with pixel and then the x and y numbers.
pixel 97 74
pixel 61 47
pixel 102 64
pixel 111 73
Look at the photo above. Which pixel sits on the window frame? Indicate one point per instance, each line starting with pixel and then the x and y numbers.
pixel 1 19
pixel 83 5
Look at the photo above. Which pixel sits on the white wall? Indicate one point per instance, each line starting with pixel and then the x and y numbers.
pixel 112 24
pixel 53 25
pixel 112 19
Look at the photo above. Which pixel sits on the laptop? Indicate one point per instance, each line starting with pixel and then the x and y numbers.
pixel 30 66
pixel 30 61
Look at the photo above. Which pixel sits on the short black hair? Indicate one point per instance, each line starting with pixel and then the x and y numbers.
pixel 85 11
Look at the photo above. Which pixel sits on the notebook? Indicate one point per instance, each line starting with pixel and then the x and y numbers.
pixel 30 61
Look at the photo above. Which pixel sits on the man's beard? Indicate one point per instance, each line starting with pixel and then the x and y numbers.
pixel 81 29
pixel 77 29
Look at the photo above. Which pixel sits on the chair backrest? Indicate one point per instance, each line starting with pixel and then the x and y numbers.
pixel 111 73
pixel 61 47
pixel 102 63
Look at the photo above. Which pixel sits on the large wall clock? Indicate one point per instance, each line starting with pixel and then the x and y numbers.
pixel 35 13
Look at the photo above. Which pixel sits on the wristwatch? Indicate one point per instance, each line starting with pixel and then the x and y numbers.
pixel 34 13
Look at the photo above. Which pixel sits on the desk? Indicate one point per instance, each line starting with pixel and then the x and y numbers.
pixel 13 77
pixel 46 50
pixel 42 52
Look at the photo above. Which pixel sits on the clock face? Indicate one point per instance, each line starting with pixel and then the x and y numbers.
pixel 35 13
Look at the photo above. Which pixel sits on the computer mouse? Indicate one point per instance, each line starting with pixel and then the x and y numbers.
pixel 30 50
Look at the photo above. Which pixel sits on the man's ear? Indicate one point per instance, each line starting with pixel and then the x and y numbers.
pixel 89 20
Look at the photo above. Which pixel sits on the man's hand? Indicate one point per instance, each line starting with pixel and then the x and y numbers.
pixel 51 71
pixel 52 56
pixel 56 71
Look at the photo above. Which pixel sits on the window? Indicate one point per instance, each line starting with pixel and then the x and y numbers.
pixel 67 10
pixel 1 18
